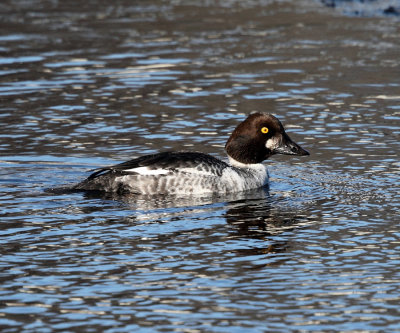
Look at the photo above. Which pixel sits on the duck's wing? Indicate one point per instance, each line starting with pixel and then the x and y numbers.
pixel 163 163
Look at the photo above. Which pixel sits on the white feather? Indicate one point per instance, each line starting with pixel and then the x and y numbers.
pixel 145 171
pixel 256 175
pixel 272 143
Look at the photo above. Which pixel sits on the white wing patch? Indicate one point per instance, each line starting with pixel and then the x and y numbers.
pixel 145 171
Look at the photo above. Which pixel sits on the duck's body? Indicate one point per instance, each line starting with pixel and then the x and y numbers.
pixel 254 140
pixel 176 173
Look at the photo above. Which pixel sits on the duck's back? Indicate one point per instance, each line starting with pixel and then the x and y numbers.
pixel 163 173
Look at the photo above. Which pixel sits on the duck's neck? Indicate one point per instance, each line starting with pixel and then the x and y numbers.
pixel 241 165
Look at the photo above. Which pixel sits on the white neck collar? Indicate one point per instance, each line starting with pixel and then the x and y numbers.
pixel 238 164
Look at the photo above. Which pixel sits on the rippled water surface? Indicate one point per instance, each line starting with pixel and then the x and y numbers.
pixel 85 84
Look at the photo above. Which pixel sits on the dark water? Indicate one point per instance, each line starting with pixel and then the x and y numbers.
pixel 85 84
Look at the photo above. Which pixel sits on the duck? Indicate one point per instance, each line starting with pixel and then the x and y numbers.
pixel 254 140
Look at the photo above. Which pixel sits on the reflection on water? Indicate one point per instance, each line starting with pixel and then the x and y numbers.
pixel 89 84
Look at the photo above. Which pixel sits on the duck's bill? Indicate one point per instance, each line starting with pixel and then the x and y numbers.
pixel 288 147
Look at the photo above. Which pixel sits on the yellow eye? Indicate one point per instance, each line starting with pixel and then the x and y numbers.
pixel 264 130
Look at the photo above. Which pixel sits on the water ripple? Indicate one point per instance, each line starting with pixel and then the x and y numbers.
pixel 84 86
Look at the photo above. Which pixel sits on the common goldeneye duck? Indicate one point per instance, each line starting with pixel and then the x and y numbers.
pixel 254 140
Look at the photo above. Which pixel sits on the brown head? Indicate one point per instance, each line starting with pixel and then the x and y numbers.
pixel 258 137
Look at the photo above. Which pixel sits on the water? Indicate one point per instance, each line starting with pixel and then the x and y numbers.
pixel 86 84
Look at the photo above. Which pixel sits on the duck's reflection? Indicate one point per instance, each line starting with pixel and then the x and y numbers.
pixel 143 202
pixel 261 219
pixel 253 215
pixel 264 216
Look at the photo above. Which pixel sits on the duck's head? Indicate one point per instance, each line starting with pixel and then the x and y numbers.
pixel 258 137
